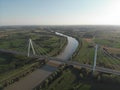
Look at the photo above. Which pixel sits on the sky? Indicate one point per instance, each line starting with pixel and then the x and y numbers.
pixel 59 12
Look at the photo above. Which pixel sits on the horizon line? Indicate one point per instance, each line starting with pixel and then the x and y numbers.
pixel 63 25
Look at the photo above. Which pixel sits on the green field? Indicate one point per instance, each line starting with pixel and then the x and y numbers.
pixel 86 53
pixel 108 38
pixel 44 42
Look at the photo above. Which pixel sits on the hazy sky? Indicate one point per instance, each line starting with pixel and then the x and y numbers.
pixel 59 12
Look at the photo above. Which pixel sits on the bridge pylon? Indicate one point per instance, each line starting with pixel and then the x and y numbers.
pixel 95 58
pixel 30 46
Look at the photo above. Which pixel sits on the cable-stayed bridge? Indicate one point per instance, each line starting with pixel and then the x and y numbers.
pixel 38 52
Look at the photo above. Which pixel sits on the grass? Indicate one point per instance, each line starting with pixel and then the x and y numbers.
pixel 51 46
pixel 107 61
pixel 107 42
pixel 85 54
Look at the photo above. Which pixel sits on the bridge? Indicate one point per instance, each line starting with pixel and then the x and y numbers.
pixel 40 74
pixel 75 64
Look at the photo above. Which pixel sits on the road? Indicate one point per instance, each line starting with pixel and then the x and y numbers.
pixel 33 79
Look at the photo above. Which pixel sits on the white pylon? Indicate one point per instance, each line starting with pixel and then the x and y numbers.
pixel 95 57
pixel 30 46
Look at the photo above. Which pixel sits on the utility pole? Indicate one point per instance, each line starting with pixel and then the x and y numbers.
pixel 30 45
pixel 95 57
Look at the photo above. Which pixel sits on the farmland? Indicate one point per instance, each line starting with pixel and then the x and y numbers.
pixel 45 43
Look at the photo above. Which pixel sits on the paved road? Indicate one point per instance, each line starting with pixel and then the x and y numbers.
pixel 33 79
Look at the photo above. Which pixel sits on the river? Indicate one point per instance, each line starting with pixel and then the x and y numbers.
pixel 70 48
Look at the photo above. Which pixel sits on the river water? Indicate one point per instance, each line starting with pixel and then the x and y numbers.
pixel 70 48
